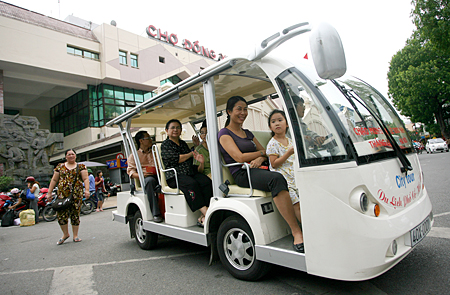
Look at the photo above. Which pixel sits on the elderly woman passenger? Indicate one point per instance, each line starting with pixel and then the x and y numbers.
pixel 175 153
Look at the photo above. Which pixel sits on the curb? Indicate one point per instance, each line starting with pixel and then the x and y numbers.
pixel 107 208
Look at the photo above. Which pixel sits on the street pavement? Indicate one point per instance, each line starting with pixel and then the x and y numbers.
pixel 108 261
pixel 110 203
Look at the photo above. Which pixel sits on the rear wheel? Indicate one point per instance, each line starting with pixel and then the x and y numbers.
pixel 87 207
pixel 49 214
pixel 145 239
pixel 236 247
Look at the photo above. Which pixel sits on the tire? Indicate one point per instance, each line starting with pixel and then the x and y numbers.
pixel 87 207
pixel 145 239
pixel 49 214
pixel 236 247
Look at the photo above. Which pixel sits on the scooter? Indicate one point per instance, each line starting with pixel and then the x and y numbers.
pixel 5 202
pixel 112 188
pixel 42 200
pixel 87 206
pixel 48 213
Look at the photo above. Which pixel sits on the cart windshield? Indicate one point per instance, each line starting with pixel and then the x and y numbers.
pixel 363 126
pixel 317 135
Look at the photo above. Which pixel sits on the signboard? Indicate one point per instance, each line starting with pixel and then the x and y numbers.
pixel 112 164
pixel 117 163
pixel 153 32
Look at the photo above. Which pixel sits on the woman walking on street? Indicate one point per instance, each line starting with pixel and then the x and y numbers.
pixel 100 190
pixel 69 176
pixel 34 187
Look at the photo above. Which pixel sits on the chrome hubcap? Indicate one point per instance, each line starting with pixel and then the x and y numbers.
pixel 140 232
pixel 239 249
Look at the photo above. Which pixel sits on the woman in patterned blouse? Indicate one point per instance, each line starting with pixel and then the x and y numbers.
pixel 175 153
pixel 70 180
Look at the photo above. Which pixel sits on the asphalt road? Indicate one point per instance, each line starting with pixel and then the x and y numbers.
pixel 107 261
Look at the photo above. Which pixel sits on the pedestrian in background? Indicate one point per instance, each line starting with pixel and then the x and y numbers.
pixel 100 190
pixel 70 180
pixel 92 186
pixel 34 187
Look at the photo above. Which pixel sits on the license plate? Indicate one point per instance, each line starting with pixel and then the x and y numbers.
pixel 419 232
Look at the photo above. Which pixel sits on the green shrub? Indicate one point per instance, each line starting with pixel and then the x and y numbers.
pixel 5 182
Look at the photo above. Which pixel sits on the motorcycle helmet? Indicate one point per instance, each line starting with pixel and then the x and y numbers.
pixel 15 191
pixel 30 179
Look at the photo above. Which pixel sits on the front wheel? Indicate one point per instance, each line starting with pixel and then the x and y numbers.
pixel 87 207
pixel 236 247
pixel 145 239
pixel 49 214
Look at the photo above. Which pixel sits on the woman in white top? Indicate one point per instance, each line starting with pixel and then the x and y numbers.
pixel 34 187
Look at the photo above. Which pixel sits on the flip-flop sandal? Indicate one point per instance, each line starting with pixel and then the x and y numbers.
pixel 199 222
pixel 77 240
pixel 61 241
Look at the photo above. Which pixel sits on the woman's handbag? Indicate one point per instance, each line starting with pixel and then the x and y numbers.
pixel 63 204
pixel 30 195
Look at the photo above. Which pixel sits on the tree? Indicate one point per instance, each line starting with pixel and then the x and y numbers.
pixel 432 19
pixel 419 77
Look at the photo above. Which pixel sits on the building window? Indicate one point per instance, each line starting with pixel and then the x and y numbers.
pixel 94 107
pixel 123 57
pixel 133 60
pixel 174 80
pixel 82 53
pixel 162 60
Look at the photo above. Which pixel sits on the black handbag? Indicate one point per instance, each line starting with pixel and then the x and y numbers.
pixel 63 204
pixel 8 218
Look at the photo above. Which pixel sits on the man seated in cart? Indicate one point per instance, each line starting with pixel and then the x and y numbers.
pixel 311 137
pixel 144 144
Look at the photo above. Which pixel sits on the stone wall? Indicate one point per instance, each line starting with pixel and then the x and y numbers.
pixel 25 149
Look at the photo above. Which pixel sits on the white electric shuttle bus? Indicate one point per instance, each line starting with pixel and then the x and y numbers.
pixel 363 203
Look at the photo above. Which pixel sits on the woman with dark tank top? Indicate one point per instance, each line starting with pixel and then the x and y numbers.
pixel 239 145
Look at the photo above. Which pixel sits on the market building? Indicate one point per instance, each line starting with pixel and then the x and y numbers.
pixel 74 76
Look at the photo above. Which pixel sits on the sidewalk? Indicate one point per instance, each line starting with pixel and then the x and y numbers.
pixel 110 203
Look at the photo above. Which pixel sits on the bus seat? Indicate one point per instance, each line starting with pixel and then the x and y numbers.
pixel 177 210
pixel 263 137
pixel 237 191
pixel 137 184
pixel 165 188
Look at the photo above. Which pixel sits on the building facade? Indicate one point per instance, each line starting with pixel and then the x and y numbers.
pixel 74 78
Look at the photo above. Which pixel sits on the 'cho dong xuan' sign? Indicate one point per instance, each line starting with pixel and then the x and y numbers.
pixel 153 32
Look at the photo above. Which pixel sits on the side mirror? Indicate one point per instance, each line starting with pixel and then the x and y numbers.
pixel 327 52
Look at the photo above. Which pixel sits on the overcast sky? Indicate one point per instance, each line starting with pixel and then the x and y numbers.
pixel 371 31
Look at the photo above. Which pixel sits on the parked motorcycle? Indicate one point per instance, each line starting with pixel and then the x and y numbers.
pixel 112 188
pixel 42 199
pixel 87 206
pixel 48 213
pixel 5 202
pixel 9 199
